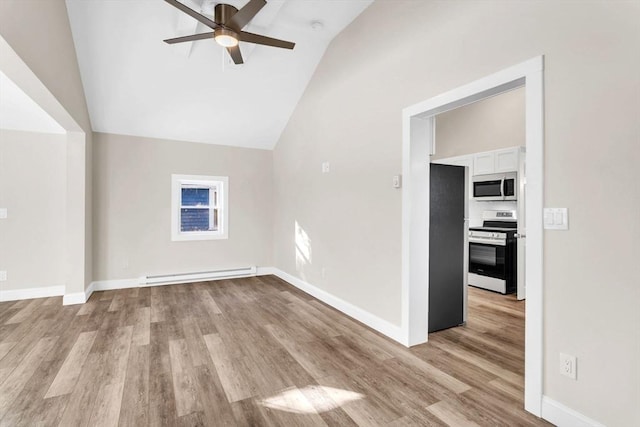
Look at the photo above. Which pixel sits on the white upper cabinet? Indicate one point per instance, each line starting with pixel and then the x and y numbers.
pixel 507 160
pixel 484 163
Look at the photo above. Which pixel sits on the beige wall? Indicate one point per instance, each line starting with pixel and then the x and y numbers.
pixel 350 115
pixel 46 46
pixel 39 32
pixel 132 233
pixel 490 124
pixel 32 188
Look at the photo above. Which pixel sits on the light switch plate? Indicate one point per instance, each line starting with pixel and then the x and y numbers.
pixel 3 213
pixel 3 276
pixel 556 219
pixel 397 181
pixel 325 167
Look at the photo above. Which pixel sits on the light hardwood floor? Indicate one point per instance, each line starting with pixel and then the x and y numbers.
pixel 251 352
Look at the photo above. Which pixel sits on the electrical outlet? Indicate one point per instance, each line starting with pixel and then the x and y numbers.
pixel 3 213
pixel 397 181
pixel 323 272
pixel 568 365
pixel 3 276
pixel 325 167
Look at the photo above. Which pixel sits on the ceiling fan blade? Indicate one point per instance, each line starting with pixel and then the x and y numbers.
pixel 235 54
pixel 242 17
pixel 194 37
pixel 264 40
pixel 206 21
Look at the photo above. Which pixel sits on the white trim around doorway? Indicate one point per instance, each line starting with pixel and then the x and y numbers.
pixel 418 138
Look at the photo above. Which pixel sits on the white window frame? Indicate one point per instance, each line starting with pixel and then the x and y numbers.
pixel 221 184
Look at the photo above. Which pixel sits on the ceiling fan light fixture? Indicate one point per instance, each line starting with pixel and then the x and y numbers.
pixel 226 38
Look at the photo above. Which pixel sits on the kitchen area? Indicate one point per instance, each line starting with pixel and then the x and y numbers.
pixel 488 138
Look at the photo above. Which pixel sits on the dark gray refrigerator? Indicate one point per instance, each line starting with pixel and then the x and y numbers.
pixel 446 246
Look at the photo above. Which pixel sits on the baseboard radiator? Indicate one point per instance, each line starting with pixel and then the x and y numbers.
pixel 170 279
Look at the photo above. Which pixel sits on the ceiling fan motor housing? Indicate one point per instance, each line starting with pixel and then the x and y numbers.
pixel 223 13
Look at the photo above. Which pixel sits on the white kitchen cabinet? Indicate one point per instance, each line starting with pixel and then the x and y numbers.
pixel 483 163
pixel 507 160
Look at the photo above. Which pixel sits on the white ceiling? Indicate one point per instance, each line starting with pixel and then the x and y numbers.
pixel 137 85
pixel 19 112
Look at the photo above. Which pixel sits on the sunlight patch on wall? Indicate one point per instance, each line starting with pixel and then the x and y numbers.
pixel 302 248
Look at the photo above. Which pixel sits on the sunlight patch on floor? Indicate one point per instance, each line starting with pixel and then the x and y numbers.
pixel 311 399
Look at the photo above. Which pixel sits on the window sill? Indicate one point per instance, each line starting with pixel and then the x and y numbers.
pixel 181 237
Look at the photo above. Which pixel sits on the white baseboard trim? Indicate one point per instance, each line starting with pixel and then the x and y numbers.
pixel 31 293
pixel 374 322
pixel 76 297
pixel 109 285
pixel 563 416
pixel 265 271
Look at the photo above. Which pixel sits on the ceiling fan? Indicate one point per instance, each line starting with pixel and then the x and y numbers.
pixel 227 26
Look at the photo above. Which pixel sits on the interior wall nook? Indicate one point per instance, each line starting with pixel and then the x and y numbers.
pixel 418 138
pixel 77 204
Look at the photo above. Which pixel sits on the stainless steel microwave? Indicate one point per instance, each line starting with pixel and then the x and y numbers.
pixel 497 186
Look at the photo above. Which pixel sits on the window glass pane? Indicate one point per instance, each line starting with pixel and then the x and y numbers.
pixel 194 219
pixel 195 196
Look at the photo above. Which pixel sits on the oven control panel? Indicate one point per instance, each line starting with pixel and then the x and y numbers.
pixel 487 237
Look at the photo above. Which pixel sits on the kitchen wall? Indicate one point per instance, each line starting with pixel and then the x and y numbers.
pixel 33 189
pixel 132 188
pixel 491 124
pixel 487 125
pixel 347 223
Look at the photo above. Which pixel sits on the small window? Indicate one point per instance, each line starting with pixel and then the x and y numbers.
pixel 199 207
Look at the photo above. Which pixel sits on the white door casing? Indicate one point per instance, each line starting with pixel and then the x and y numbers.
pixel 417 126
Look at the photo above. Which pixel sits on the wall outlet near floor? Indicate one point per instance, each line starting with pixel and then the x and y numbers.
pixel 3 276
pixel 323 273
pixel 568 365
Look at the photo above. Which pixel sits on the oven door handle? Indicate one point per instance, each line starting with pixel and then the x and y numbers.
pixel 487 241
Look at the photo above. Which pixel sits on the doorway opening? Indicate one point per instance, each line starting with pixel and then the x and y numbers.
pixel 483 253
pixel 418 145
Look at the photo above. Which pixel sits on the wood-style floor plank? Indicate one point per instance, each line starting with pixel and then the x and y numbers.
pixel 135 399
pixel 448 413
pixel 68 374
pixel 22 373
pixel 251 352
pixel 184 387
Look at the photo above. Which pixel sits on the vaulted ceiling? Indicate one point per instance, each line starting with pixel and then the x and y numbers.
pixel 137 85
